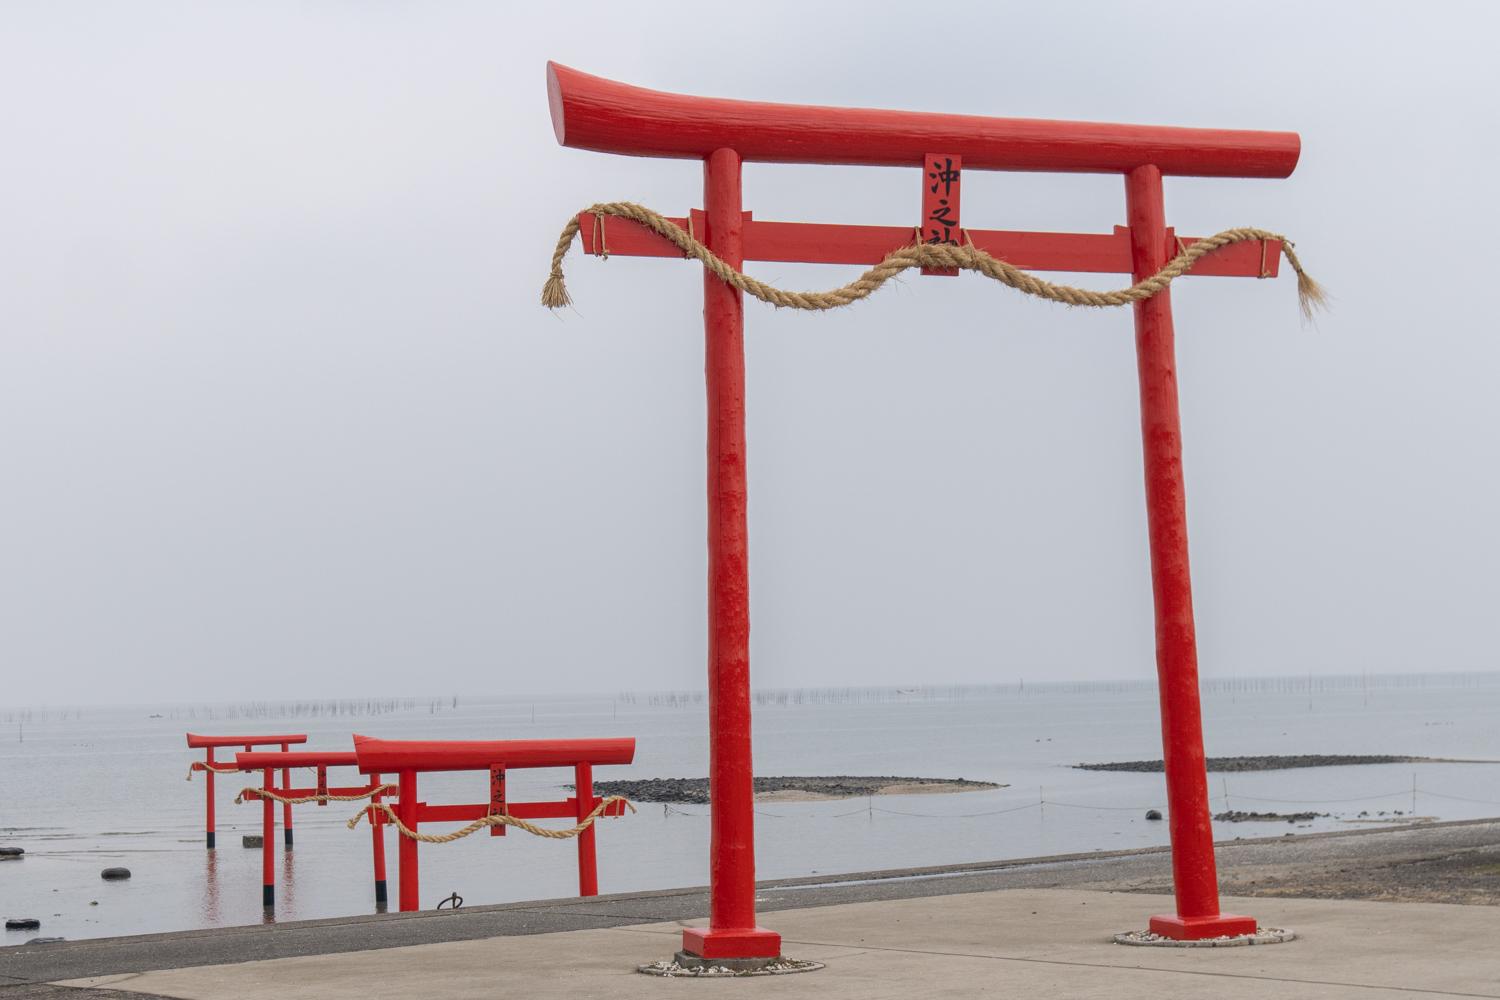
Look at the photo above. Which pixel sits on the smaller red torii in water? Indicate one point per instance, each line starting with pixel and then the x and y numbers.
pixel 597 114
pixel 321 792
pixel 210 767
pixel 408 759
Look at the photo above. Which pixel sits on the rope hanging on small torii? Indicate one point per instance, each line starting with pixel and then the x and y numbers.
pixel 489 821
pixel 252 793
pixel 1310 295
pixel 203 765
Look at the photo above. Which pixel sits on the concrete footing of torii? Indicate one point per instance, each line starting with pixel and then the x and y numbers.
pixel 926 934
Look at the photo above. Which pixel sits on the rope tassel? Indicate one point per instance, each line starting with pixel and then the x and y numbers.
pixel 555 292
pixel 1310 295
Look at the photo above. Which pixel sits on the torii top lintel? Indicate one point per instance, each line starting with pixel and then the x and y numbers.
pixel 590 112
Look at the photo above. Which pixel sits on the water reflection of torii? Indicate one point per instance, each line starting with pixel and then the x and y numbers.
pixel 592 113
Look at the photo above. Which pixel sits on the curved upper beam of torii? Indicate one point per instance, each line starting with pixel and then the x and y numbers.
pixel 590 112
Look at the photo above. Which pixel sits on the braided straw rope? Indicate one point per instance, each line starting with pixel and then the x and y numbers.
pixel 555 293
pixel 488 821
pixel 262 794
pixel 203 765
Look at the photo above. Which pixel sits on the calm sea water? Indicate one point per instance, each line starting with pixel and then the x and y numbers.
pixel 81 792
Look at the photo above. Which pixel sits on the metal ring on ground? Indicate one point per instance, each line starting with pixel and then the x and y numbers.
pixel 1266 935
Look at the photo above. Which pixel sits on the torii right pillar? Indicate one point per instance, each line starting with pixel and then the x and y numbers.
pixel 1194 873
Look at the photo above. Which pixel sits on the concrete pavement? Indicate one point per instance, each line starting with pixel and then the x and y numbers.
pixel 1017 942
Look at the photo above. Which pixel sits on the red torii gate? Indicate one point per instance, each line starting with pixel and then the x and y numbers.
pixel 589 112
pixel 210 767
pixel 267 762
pixel 409 758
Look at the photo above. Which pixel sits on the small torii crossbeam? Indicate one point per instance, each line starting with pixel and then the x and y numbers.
pixel 589 112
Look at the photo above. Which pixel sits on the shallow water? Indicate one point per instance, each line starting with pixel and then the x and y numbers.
pixel 107 788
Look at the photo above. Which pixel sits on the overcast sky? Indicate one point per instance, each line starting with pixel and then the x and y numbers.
pixel 280 415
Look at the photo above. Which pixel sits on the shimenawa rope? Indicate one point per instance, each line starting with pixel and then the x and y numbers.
pixel 203 765
pixel 488 821
pixel 266 793
pixel 1310 295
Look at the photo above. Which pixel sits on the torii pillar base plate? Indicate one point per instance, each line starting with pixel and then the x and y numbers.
pixel 1199 928
pixel 732 943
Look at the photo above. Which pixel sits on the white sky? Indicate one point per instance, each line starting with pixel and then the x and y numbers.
pixel 280 416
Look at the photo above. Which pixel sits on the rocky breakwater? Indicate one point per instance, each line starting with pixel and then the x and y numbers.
pixel 694 791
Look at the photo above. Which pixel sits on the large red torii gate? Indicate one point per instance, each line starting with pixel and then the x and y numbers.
pixel 593 113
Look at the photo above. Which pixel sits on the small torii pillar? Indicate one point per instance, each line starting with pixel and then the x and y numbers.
pixel 589 112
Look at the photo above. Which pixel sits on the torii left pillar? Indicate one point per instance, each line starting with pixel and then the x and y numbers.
pixel 732 932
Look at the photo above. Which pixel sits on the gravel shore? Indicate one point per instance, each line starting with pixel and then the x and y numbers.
pixel 1439 863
